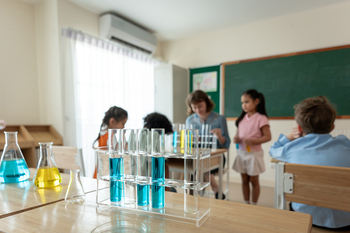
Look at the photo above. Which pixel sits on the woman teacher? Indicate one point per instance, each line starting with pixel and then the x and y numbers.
pixel 200 111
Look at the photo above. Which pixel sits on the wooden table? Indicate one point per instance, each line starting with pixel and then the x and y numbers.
pixel 225 217
pixel 19 197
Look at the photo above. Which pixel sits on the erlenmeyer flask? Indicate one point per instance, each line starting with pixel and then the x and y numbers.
pixel 13 167
pixel 47 175
pixel 75 192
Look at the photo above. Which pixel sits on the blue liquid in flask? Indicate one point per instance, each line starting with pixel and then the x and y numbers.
pixel 116 171
pixel 158 167
pixel 13 171
pixel 143 195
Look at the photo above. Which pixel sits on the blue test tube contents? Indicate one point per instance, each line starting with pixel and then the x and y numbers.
pixel 142 195
pixel 158 167
pixel 143 175
pixel 175 139
pixel 116 171
pixel 237 146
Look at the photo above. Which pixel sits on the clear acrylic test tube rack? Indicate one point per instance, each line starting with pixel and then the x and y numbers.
pixel 206 139
pixel 188 205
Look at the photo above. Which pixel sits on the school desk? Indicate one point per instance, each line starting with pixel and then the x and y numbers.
pixel 19 197
pixel 224 217
pixel 216 161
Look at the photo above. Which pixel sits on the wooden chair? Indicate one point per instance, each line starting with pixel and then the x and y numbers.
pixel 69 158
pixel 322 186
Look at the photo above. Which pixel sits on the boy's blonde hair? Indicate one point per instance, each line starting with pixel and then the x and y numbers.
pixel 315 115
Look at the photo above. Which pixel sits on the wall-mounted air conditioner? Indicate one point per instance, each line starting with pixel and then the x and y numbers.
pixel 119 30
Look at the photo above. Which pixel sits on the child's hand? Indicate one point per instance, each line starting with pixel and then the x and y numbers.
pixel 217 132
pixel 249 142
pixel 294 134
pixel 236 139
pixel 2 124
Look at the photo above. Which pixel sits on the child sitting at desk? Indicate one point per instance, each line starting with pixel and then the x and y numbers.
pixel 310 143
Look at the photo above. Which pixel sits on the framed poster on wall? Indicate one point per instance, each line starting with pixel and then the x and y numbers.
pixel 207 79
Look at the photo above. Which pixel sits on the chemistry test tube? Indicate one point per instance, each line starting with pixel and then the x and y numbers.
pixel 143 174
pixel 191 173
pixel 158 168
pixel 214 142
pixel 129 155
pixel 116 165
pixel 182 136
pixel 175 129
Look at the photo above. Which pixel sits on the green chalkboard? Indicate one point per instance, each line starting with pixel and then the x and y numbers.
pixel 205 71
pixel 285 81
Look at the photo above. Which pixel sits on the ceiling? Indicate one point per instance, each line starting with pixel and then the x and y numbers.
pixel 176 19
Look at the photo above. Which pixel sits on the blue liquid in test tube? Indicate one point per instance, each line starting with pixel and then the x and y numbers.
pixel 175 139
pixel 116 171
pixel 143 195
pixel 158 167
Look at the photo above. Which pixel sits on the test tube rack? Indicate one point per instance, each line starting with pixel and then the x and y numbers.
pixel 205 138
pixel 188 205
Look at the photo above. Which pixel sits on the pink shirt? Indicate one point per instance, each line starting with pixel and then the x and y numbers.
pixel 250 127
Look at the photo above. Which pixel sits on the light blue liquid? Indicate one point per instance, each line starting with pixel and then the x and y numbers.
pixel 116 172
pixel 158 170
pixel 142 195
pixel 13 171
pixel 175 139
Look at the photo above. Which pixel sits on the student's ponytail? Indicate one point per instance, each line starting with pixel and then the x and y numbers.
pixel 115 112
pixel 260 108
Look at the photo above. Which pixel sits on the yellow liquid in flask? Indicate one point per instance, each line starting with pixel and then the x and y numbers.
pixel 47 177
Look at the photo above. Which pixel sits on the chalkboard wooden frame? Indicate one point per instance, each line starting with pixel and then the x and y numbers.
pixel 272 57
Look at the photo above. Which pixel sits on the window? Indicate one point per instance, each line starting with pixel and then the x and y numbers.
pixel 102 75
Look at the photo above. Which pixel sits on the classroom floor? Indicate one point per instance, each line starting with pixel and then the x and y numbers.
pixel 265 199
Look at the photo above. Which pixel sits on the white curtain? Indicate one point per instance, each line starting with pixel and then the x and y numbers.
pixel 96 76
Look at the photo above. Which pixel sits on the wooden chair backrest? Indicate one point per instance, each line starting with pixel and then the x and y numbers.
pixel 322 186
pixel 65 157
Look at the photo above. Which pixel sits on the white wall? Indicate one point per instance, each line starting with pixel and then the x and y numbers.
pixel 30 58
pixel 72 16
pixel 18 74
pixel 47 37
pixel 50 17
pixel 323 27
pixel 319 28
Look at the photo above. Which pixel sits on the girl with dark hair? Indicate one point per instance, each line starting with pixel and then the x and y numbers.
pixel 115 118
pixel 200 108
pixel 252 130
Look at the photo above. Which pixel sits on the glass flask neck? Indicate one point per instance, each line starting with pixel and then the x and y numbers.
pixel 46 156
pixel 10 138
pixel 75 174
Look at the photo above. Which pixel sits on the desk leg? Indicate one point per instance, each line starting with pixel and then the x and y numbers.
pixel 228 176
pixel 220 176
